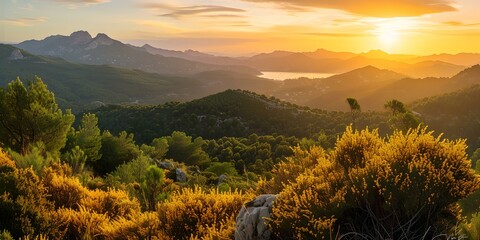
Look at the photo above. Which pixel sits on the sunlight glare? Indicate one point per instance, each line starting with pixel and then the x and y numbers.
pixel 389 31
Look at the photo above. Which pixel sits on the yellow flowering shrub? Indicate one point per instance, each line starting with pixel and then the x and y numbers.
pixel 63 190
pixel 286 171
pixel 406 186
pixel 24 209
pixel 5 161
pixel 114 203
pixel 136 226
pixel 82 223
pixel 193 212
pixel 355 148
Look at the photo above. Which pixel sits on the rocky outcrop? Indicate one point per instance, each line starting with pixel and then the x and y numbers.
pixel 252 221
pixel 166 165
pixel 222 178
pixel 180 176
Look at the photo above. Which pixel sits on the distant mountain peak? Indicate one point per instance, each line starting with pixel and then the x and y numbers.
pixel 80 34
pixel 147 46
pixel 100 39
pixel 375 53
pixel 81 37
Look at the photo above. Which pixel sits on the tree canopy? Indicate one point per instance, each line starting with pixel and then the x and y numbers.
pixel 29 115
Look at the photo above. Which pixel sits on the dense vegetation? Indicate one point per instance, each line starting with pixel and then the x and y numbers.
pixel 195 164
pixel 233 113
pixel 455 114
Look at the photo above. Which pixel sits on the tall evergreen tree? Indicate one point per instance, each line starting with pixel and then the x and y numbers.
pixel 31 115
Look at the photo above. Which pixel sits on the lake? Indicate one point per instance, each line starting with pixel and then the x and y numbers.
pixel 280 76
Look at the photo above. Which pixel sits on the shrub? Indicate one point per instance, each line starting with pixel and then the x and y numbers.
pixel 81 224
pixel 139 226
pixel 24 209
pixel 113 203
pixel 366 188
pixel 63 191
pixel 286 171
pixel 194 212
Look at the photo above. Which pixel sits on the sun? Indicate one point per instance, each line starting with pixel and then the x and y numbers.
pixel 389 31
pixel 388 36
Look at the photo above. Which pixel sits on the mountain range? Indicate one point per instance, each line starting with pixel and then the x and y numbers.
pixel 83 70
pixel 80 86
pixel 81 47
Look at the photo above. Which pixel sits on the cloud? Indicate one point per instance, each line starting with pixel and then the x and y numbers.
pixel 459 24
pixel 200 10
pixel 73 3
pixel 328 34
pixel 23 22
pixel 373 8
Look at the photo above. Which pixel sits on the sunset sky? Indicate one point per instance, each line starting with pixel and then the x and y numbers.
pixel 243 27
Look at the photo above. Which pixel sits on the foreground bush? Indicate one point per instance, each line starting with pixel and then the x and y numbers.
pixel 196 213
pixel 24 209
pixel 404 187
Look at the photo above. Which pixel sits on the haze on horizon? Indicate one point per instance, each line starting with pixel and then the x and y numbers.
pixel 241 27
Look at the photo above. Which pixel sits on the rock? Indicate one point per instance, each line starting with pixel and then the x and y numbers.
pixel 16 55
pixel 221 179
pixel 180 176
pixel 166 165
pixel 252 223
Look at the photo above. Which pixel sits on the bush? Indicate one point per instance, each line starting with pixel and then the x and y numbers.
pixel 139 226
pixel 24 209
pixel 286 171
pixel 194 212
pixel 81 224
pixel 366 188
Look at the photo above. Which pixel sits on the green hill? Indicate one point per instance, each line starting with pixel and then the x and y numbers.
pixel 231 113
pixel 455 114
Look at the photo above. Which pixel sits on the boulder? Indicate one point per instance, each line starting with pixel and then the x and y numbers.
pixel 180 176
pixel 252 221
pixel 166 165
pixel 222 178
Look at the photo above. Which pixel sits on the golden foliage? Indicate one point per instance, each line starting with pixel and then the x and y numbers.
pixel 136 226
pixel 355 148
pixel 82 224
pixel 64 191
pixel 194 212
pixel 5 161
pixel 24 209
pixel 114 203
pixel 286 171
pixel 412 179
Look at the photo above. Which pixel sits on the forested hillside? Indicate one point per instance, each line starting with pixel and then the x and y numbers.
pixel 455 114
pixel 233 113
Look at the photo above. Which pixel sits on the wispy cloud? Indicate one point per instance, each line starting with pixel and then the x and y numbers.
pixel 373 8
pixel 459 24
pixel 196 10
pixel 76 3
pixel 23 22
pixel 329 34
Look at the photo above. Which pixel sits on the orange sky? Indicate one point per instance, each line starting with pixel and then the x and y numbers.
pixel 243 27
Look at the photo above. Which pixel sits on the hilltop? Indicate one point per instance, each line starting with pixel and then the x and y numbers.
pixel 234 113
